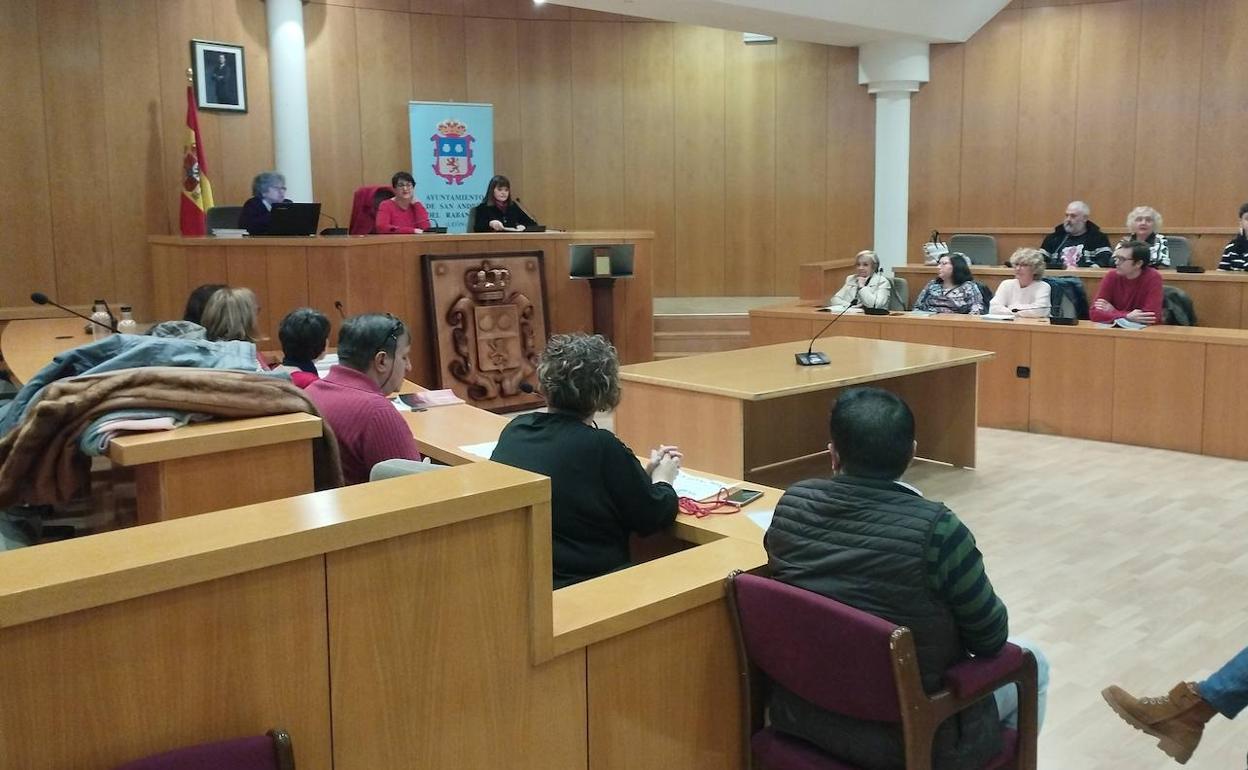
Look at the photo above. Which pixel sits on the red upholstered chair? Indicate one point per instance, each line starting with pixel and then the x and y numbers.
pixel 846 661
pixel 364 207
pixel 271 751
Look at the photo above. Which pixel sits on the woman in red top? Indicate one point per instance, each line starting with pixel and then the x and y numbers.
pixel 403 213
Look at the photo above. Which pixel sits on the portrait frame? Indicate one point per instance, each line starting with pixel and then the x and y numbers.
pixel 220 76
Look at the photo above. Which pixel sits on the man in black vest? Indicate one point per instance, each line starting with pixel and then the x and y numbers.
pixel 869 540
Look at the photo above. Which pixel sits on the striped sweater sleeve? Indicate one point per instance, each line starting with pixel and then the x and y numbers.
pixel 955 569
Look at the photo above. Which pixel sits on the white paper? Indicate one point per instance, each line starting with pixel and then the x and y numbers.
pixel 322 364
pixel 761 518
pixel 998 317
pixel 698 487
pixel 483 450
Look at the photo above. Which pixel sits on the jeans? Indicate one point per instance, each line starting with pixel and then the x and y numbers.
pixel 1227 689
pixel 1007 696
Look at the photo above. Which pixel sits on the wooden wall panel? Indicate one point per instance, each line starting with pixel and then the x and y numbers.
pixel 439 62
pixel 650 144
pixel 990 88
pixel 74 104
pixel 801 139
pixel 1046 121
pixel 546 122
pixel 1168 113
pixel 245 146
pixel 334 108
pixel 384 49
pixel 1222 165
pixel 750 148
pixel 132 143
pixel 936 148
pixel 699 161
pixel 25 205
pixel 493 79
pixel 851 159
pixel 597 124
pixel 1107 87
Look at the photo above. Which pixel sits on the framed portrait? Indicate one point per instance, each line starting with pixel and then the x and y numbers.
pixel 220 76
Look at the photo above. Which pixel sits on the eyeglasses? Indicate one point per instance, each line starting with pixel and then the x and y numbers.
pixel 405 185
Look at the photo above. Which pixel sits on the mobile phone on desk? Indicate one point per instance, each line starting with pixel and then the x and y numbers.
pixel 744 497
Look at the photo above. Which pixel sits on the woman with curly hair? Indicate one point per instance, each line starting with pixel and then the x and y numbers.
pixel 600 492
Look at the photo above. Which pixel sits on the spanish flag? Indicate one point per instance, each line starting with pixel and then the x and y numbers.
pixel 196 189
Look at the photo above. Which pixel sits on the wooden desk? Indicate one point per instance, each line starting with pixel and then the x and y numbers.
pixel 1168 387
pixel 31 345
pixel 743 411
pixel 420 592
pixel 192 469
pixel 384 273
pixel 1220 298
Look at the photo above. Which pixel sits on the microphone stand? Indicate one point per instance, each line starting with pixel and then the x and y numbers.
pixel 39 298
pixel 813 358
pixel 335 230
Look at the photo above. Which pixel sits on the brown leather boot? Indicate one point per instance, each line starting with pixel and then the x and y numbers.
pixel 1177 720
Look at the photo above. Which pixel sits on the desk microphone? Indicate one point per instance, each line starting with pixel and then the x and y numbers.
pixel 39 298
pixel 813 358
pixel 335 230
pixel 341 313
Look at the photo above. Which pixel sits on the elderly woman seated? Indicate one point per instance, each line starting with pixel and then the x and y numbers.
pixel 1026 294
pixel 600 492
pixel 865 287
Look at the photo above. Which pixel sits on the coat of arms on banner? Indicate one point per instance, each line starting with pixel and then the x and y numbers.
pixel 452 152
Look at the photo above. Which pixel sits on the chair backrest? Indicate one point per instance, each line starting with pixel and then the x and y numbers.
pixel 223 217
pixel 827 653
pixel 1177 307
pixel 1062 303
pixel 271 751
pixel 986 292
pixel 900 294
pixel 980 249
pixel 472 217
pixel 1180 250
pixel 364 207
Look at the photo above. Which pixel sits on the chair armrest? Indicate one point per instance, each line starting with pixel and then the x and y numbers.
pixel 977 675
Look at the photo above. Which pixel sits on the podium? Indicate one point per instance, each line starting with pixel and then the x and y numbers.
pixel 601 265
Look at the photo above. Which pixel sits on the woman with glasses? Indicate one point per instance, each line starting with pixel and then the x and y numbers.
pixel 600 492
pixel 267 188
pixel 353 398
pixel 953 290
pixel 402 214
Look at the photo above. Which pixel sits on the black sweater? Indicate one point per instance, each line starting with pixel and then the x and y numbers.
pixel 599 491
pixel 1095 251
pixel 512 216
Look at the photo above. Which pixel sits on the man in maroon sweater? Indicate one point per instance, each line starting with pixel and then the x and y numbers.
pixel 1132 290
pixel 353 398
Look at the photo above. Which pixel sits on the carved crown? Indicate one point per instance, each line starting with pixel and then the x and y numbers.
pixel 487 284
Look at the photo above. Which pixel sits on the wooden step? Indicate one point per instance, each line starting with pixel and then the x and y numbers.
pixel 699 342
pixel 695 322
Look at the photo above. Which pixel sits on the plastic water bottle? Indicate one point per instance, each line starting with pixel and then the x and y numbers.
pixel 99 314
pixel 127 324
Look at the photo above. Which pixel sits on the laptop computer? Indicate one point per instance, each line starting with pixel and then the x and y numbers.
pixel 294 218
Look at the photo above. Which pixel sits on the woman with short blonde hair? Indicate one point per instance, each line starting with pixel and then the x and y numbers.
pixel 1144 225
pixel 866 286
pixel 230 314
pixel 1026 295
